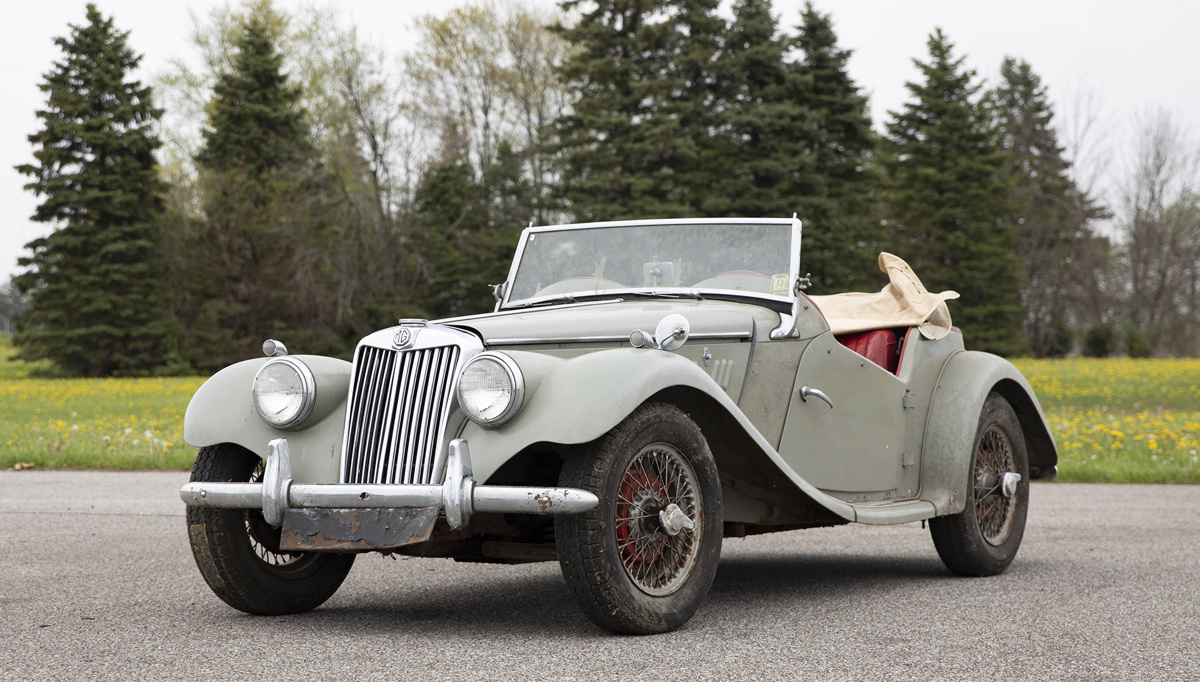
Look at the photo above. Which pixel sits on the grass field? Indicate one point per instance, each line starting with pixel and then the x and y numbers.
pixel 91 423
pixel 1121 420
pixel 1115 420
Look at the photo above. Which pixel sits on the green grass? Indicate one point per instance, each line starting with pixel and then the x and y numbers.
pixel 58 423
pixel 1115 420
pixel 1121 420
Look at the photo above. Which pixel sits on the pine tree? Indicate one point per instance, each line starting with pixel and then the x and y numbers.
pixel 1051 215
pixel 946 194
pixel 639 127
pixel 256 265
pixel 95 294
pixel 256 125
pixel 842 234
pixel 467 230
pixel 765 167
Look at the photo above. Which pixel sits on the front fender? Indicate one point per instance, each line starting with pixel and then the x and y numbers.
pixel 580 399
pixel 965 382
pixel 222 411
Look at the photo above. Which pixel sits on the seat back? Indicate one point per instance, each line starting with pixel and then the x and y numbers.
pixel 878 346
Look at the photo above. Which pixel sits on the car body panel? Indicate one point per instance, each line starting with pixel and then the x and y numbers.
pixel 962 387
pixel 222 411
pixel 855 445
pixel 619 380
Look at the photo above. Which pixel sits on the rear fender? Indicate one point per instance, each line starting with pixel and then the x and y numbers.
pixel 965 382
pixel 222 411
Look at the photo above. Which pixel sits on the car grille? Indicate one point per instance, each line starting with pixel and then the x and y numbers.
pixel 398 403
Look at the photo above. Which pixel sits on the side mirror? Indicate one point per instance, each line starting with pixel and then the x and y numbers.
pixel 671 333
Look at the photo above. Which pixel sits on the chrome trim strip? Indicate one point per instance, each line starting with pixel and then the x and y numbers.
pixel 525 341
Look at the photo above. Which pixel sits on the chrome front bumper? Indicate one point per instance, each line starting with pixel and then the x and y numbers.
pixel 411 508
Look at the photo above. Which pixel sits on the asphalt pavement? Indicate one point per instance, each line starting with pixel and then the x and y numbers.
pixel 97 582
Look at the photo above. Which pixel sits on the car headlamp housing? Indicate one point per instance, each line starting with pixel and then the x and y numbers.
pixel 490 389
pixel 284 392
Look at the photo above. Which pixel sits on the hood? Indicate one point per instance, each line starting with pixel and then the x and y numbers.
pixel 614 321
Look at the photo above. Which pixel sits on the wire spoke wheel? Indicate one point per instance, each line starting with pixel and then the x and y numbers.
pixel 984 537
pixel 657 562
pixel 994 511
pixel 642 561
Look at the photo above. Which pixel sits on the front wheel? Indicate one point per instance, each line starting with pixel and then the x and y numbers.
pixel 984 537
pixel 642 561
pixel 238 552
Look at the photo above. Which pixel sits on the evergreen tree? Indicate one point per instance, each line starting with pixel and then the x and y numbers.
pixel 947 196
pixel 765 165
pixel 255 122
pixel 95 294
pixel 639 129
pixel 1050 214
pixel 257 262
pixel 467 230
pixel 842 234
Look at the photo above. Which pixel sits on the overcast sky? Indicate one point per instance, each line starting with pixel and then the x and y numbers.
pixel 1137 57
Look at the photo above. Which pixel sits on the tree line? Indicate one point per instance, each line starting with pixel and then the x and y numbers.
pixel 297 185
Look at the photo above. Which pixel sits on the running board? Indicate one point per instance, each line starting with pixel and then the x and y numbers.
pixel 888 513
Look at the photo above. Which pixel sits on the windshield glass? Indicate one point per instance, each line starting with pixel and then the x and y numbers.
pixel 739 257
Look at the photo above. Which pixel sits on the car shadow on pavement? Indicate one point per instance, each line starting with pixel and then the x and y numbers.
pixel 803 577
pixel 534 601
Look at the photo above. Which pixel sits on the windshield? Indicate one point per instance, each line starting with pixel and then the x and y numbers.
pixel 752 258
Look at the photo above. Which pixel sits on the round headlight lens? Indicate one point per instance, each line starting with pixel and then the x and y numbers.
pixel 490 389
pixel 284 392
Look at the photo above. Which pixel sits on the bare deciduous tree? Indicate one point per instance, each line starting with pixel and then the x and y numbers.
pixel 1159 216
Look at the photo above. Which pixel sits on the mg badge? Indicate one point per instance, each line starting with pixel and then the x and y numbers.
pixel 404 337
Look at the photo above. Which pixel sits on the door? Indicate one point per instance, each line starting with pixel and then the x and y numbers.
pixel 855 446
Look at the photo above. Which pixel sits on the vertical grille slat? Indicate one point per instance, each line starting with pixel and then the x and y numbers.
pixel 396 410
pixel 377 405
pixel 397 400
pixel 420 409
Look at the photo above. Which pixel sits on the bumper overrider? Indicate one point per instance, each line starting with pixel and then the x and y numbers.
pixel 350 517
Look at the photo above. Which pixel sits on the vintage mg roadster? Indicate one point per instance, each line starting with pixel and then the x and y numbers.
pixel 642 390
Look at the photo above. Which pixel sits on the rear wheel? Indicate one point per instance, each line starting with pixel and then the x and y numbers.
pixel 643 560
pixel 985 536
pixel 238 552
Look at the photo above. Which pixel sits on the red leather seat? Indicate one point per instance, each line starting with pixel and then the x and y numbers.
pixel 878 346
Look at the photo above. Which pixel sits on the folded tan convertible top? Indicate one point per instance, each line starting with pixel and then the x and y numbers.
pixel 903 303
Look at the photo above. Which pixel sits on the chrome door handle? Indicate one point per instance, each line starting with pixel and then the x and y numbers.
pixel 806 391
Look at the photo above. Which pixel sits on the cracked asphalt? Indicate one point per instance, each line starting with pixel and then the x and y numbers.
pixel 97 582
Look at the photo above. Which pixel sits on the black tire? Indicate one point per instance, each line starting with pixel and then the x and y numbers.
pixel 238 552
pixel 984 537
pixel 624 571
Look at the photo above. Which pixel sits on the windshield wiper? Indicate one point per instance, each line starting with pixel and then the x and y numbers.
pixel 667 294
pixel 565 298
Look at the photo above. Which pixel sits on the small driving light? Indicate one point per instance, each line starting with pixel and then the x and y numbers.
pixel 490 389
pixel 284 392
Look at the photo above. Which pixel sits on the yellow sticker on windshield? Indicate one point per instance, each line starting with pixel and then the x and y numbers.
pixel 779 285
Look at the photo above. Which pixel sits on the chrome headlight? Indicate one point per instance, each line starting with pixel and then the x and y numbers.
pixel 490 389
pixel 284 392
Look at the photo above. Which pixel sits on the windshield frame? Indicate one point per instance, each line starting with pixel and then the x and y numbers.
pixel 770 300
